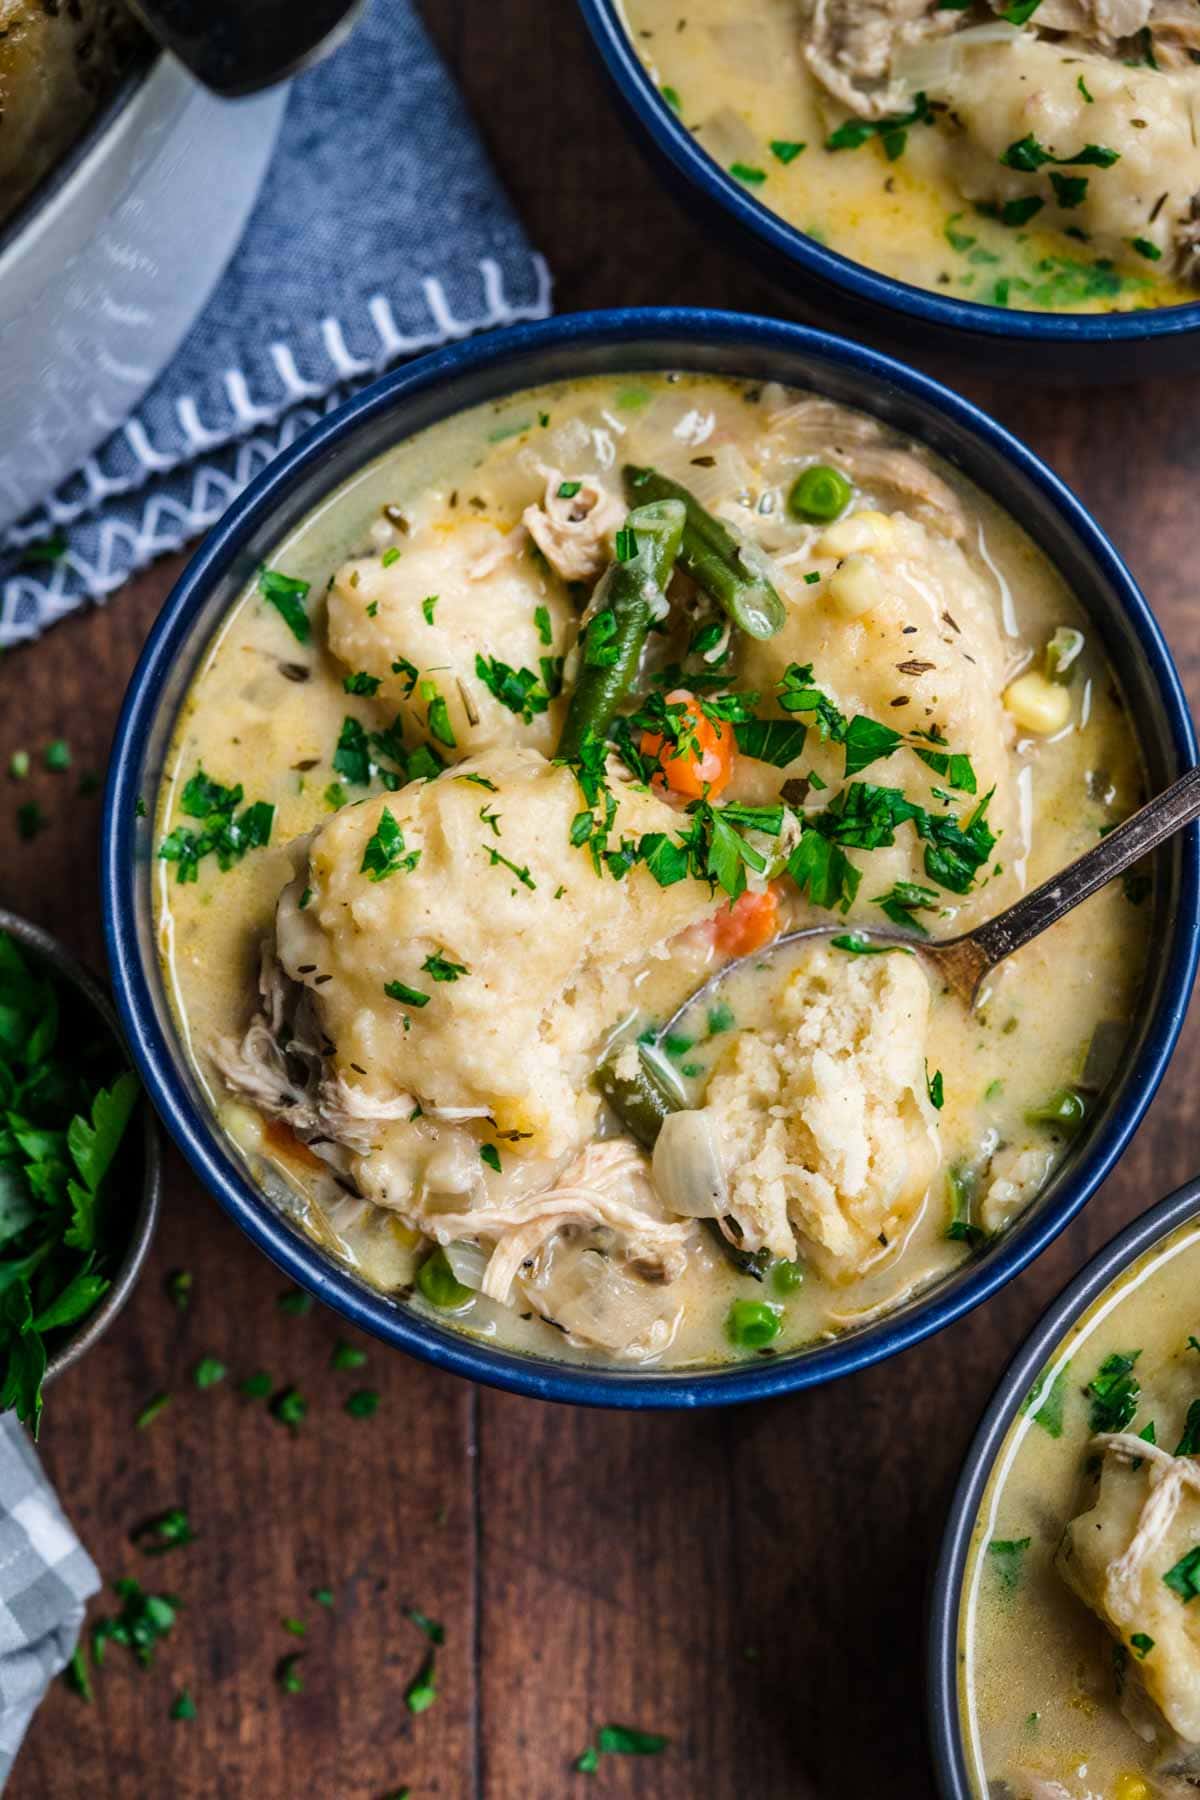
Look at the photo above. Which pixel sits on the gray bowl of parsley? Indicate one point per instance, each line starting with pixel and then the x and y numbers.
pixel 80 1167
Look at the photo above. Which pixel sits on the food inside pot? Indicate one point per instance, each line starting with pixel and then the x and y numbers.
pixel 1081 1640
pixel 60 60
pixel 1034 154
pixel 539 722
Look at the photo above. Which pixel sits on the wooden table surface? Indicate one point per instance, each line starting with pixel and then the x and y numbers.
pixel 749 1582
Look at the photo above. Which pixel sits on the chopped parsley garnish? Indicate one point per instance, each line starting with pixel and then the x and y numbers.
pixel 421 1691
pixel 385 853
pixel 774 741
pixel 391 555
pixel 567 490
pixel 352 757
pixel 287 595
pixel 295 1303
pixel 1028 155
pixel 786 150
pixel 479 781
pixel 962 1186
pixel 143 1619
pixel 18 765
pixel 1019 12
pixel 183 1706
pixel 224 832
pixel 1081 84
pixel 517 689
pixel 489 1154
pixel 287 1672
pixel 179 1288
pixel 1069 190
pixel 434 1631
pixel 626 546
pixel 1184 1578
pixel 541 618
pixel 1046 1403
pixel 335 796
pixel 57 756
pixel 937 1088
pixel 1145 248
pixel 1115 1392
pixel 427 607
pixel 363 1403
pixel 619 1740
pixel 362 683
pixel 170 1530
pixel 323 1596
pixel 402 666
pixel 903 901
pixel 442 969
pixel 892 132
pixel 671 96
pixel 289 1407
pixel 208 1372
pixel 1189 1443
pixel 748 173
pixel 1142 1644
pixel 256 1386
pixel 438 715
pixel 855 944
pixel 1007 1555
pixel 522 874
pixel 151 1410
pixel 396 990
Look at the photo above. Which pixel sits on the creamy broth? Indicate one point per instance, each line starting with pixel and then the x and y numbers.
pixel 463 996
pixel 1049 1693
pixel 767 87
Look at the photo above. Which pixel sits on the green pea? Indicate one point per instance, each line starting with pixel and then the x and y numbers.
pixel 819 494
pixel 437 1281
pixel 1067 1109
pixel 753 1323
pixel 786 1277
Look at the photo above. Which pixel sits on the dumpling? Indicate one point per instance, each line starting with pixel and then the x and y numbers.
pixel 827 1135
pixel 1004 93
pixel 482 970
pixel 1128 1557
pixel 900 629
pixel 422 623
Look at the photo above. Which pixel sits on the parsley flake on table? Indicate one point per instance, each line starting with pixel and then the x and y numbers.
pixel 183 1706
pixel 169 1530
pixel 433 1629
pixel 289 1407
pixel 363 1403
pixel 322 1595
pixel 287 1672
pixel 209 1371
pixel 421 1691
pixel 256 1386
pixel 295 1303
pixel 57 755
pixel 151 1410
pixel 619 1740
pixel 143 1619
pixel 179 1288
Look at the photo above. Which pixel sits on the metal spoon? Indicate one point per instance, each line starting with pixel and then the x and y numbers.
pixel 236 47
pixel 963 963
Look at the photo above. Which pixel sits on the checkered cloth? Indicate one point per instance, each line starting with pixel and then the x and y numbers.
pixel 46 1579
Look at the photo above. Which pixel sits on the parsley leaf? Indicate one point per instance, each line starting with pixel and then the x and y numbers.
pixel 287 595
pixel 442 969
pixel 1115 1392
pixel 385 852
pixel 517 689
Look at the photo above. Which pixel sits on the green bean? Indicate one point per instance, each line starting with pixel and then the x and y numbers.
pixel 1067 1110
pixel 728 569
pixel 616 632
pixel 642 1102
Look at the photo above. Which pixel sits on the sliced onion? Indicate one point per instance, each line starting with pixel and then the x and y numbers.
pixel 468 1261
pixel 688 1169
pixel 933 66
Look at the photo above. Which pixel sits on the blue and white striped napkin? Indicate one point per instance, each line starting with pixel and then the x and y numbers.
pixel 381 231
pixel 46 1580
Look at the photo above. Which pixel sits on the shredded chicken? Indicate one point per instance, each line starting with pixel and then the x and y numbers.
pixel 1169 1477
pixel 574 531
pixel 490 561
pixel 852 44
pixel 1111 26
pixel 583 1195
pixel 279 1065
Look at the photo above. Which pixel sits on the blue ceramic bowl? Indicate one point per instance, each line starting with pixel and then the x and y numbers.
pixel 945 1719
pixel 845 294
pixel 468 375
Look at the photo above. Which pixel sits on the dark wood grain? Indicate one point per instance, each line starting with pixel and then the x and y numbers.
pixel 750 1582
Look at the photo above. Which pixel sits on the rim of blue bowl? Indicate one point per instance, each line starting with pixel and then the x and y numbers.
pixel 692 161
pixel 199 1136
pixel 1110 1262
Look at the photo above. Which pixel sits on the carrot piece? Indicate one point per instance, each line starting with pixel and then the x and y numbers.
pixel 703 762
pixel 750 922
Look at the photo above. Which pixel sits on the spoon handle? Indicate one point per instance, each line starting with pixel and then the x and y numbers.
pixel 1160 818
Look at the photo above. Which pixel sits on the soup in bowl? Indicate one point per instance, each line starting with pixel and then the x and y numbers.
pixel 615 653
pixel 1065 1616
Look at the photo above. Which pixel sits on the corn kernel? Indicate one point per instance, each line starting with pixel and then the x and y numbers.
pixel 867 531
pixel 1037 704
pixel 855 587
pixel 1131 1787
